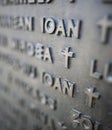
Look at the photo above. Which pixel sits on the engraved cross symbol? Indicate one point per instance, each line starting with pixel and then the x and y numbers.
pixel 91 94
pixel 68 54
pixel 105 24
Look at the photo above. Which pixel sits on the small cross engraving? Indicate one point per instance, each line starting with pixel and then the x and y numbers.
pixel 105 24
pixel 68 54
pixel 92 95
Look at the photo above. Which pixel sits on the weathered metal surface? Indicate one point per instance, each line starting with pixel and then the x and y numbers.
pixel 56 65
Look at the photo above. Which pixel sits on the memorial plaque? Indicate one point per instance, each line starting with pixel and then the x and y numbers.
pixel 55 65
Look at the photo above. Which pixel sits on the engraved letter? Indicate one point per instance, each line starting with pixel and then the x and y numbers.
pixel 58 84
pixel 31 1
pixel 93 72
pixel 47 55
pixel 43 1
pixel 52 103
pixel 30 49
pixel 73 28
pixel 29 23
pixel 48 79
pixel 68 88
pixel 61 28
pixel 50 25
pixel 108 72
pixel 39 51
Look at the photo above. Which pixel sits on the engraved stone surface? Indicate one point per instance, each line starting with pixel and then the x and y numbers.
pixel 55 64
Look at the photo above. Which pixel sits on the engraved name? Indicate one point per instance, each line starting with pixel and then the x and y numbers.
pixel 66 28
pixel 62 85
pixel 21 2
pixel 32 49
pixel 17 22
